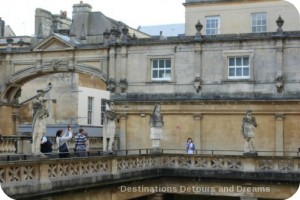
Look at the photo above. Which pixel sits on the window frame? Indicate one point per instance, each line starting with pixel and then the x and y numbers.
pixel 216 17
pixel 164 68
pixel 90 106
pixel 238 54
pixel 102 111
pixel 255 18
pixel 237 66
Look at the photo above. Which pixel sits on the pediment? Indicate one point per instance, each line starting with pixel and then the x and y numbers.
pixel 55 43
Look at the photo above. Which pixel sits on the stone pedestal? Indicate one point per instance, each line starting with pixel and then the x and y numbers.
pixel 156 136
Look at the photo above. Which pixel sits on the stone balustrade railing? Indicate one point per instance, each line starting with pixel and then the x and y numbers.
pixel 22 144
pixel 32 177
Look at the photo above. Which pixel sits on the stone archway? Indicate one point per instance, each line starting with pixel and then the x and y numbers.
pixel 12 90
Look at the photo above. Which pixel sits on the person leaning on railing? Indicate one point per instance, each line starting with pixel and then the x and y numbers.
pixel 81 143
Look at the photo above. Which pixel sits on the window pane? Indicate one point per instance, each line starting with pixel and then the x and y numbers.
pixel 239 71
pixel 168 63
pixel 231 62
pixel 238 61
pixel 245 61
pixel 168 74
pixel 155 74
pixel 161 74
pixel 155 64
pixel 246 71
pixel 161 63
pixel 231 72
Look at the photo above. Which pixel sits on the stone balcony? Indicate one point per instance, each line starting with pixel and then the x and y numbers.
pixel 35 177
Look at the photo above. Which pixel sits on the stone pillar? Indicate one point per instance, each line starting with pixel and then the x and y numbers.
pixel 197 131
pixel 279 57
pixel 112 63
pixel 156 136
pixel 6 120
pixel 198 55
pixel 123 134
pixel 198 67
pixel 123 66
pixel 279 133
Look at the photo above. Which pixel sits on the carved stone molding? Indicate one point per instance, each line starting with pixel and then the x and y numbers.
pixel 198 84
pixel 111 85
pixel 279 82
pixel 123 84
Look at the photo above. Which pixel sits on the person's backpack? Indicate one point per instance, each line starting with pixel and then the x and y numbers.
pixel 193 148
pixel 46 147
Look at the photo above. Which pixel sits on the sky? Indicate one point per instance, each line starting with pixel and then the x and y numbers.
pixel 19 14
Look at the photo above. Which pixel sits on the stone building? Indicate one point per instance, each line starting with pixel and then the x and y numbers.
pixel 205 83
pixel 71 90
pixel 235 16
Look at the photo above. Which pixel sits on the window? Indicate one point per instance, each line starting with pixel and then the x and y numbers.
pixel 212 25
pixel 259 22
pixel 103 109
pixel 90 110
pixel 238 68
pixel 161 69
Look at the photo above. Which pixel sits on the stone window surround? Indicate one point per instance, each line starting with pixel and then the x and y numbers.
pixel 238 53
pixel 149 67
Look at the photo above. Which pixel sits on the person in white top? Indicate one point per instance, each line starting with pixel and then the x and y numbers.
pixel 61 141
pixel 190 147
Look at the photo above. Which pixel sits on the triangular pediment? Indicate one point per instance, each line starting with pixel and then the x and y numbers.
pixel 55 43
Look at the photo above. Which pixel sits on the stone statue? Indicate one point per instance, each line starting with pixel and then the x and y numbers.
pixel 109 128
pixel 156 118
pixel 156 124
pixel 40 113
pixel 249 123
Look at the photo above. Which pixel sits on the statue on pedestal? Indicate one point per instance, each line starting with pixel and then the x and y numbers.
pixel 109 128
pixel 156 125
pixel 40 113
pixel 249 123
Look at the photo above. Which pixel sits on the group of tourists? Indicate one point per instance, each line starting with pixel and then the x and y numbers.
pixel 62 138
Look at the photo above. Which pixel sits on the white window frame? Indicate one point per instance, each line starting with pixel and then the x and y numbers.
pixel 159 66
pixel 210 26
pixel 90 110
pixel 102 111
pixel 259 22
pixel 238 54
pixel 239 65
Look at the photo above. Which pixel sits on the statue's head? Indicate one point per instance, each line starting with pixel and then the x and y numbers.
pixel 249 112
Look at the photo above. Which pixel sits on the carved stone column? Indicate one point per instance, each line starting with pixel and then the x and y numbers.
pixel 197 131
pixel 112 66
pixel 123 134
pixel 123 67
pixel 279 80
pixel 279 133
pixel 198 67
